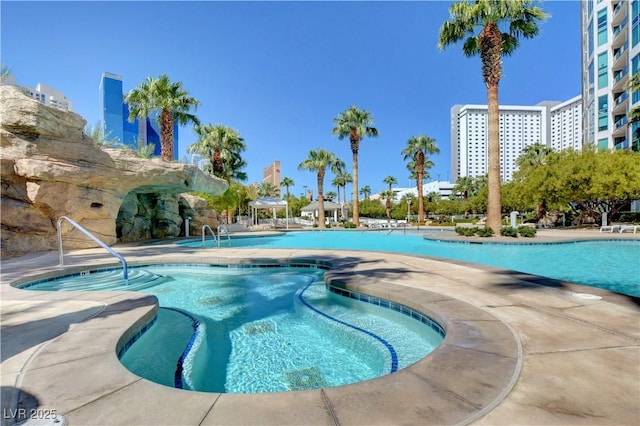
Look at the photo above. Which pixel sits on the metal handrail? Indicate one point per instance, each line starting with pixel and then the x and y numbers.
pixel 92 237
pixel 205 227
pixel 226 231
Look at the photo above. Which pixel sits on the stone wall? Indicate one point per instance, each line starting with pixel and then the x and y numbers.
pixel 50 168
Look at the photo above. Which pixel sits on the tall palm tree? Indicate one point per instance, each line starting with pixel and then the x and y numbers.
pixel 287 182
pixel 533 157
pixel 389 195
pixel 169 99
pixel 319 161
pixel 520 16
pixel 355 124
pixel 340 181
pixel 366 192
pixel 465 186
pixel 416 150
pixel 223 145
pixel 267 189
pixel 389 180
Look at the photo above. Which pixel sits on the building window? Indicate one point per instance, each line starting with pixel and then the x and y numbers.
pixel 603 143
pixel 603 75
pixel 602 27
pixel 635 13
pixel 602 113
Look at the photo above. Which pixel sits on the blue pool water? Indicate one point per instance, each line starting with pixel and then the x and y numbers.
pixel 251 329
pixel 612 265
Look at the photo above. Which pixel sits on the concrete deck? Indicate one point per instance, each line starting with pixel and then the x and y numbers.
pixel 519 349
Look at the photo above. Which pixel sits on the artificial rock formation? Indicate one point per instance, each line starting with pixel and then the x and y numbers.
pixel 50 168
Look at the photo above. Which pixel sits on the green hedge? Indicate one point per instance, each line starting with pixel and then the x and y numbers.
pixel 509 231
pixel 527 231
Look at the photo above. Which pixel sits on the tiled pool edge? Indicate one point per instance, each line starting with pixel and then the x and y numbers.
pixel 452 324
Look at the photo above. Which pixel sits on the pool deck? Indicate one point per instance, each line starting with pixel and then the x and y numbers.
pixel 519 349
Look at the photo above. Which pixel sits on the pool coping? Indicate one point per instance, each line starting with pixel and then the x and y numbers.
pixel 428 388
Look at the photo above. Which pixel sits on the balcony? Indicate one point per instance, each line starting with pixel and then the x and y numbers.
pixel 620 12
pixel 620 56
pixel 620 103
pixel 619 35
pixel 620 126
pixel 620 79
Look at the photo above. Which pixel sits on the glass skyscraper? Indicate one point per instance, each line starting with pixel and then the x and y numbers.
pixel 610 57
pixel 114 114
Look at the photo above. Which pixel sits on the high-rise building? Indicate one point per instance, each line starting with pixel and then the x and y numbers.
pixel 566 125
pixel 610 56
pixel 114 114
pixel 271 174
pixel 550 123
pixel 50 96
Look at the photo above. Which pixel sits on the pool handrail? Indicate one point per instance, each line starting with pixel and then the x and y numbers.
pixel 125 269
pixel 204 234
pixel 222 228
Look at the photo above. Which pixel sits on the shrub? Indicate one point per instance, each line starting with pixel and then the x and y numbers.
pixel 485 232
pixel 509 231
pixel 527 231
pixel 349 225
pixel 465 231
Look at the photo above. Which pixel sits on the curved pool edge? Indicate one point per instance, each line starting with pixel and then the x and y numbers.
pixel 423 393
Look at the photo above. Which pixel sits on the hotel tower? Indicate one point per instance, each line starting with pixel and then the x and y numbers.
pixel 610 56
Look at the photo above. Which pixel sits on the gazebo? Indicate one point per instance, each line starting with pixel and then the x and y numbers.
pixel 268 203
pixel 329 206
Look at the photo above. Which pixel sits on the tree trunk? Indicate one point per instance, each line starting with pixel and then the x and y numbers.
pixel 166 135
pixel 356 211
pixel 321 199
pixel 420 173
pixel 494 201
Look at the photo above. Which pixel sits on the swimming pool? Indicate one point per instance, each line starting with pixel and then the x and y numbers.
pixel 612 265
pixel 252 328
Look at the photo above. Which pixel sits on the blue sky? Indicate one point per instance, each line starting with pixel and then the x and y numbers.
pixel 280 72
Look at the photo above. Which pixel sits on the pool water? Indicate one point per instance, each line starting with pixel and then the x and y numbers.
pixel 612 265
pixel 252 329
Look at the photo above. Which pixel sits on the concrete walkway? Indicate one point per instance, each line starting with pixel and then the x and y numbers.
pixel 519 349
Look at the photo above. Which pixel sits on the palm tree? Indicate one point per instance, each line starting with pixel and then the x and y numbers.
pixel 340 182
pixel 169 99
pixel 389 180
pixel 331 195
pixel 366 192
pixel 355 124
pixel 389 195
pixel 267 189
pixel 416 150
pixel 491 44
pixel 287 182
pixel 465 186
pixel 223 146
pixel 318 161
pixel 533 157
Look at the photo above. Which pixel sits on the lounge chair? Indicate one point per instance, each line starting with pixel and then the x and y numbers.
pixel 633 228
pixel 610 228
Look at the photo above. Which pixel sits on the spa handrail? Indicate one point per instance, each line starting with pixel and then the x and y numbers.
pixel 95 239
pixel 205 227
pixel 223 229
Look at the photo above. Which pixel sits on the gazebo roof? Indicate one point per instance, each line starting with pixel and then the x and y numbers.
pixel 268 203
pixel 328 205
